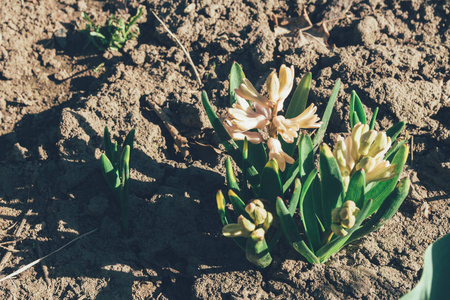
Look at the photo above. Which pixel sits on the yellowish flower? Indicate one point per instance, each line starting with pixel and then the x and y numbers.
pixel 364 149
pixel 280 87
pixel 288 128
pixel 247 91
pixel 277 153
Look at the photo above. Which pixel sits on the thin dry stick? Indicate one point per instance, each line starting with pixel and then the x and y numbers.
pixel 182 47
pixel 17 234
pixel 43 265
pixel 24 268
pixel 181 143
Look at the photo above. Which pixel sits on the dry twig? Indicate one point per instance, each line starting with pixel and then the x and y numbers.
pixel 180 142
pixel 24 268
pixel 182 47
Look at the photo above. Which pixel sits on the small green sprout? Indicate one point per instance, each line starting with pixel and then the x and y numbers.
pixel 359 178
pixel 114 34
pixel 116 170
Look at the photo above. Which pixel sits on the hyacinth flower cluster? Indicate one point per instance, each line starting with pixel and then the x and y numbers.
pixel 357 179
pixel 253 111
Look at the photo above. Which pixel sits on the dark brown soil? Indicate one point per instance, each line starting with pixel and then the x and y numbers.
pixel 54 106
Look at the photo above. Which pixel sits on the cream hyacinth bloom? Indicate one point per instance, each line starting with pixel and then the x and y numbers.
pixel 277 153
pixel 364 149
pixel 244 119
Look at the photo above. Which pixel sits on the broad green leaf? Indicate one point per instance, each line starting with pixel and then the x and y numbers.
pixel 334 246
pixel 236 77
pixel 271 186
pixel 395 130
pixel 289 176
pixel 295 197
pixel 129 140
pixel 355 191
pixel 111 175
pixel 125 166
pixel 291 232
pixel 216 123
pixel 355 118
pixel 228 143
pixel 373 120
pixel 317 195
pixel 305 156
pixel 238 204
pixel 221 203
pixel 332 186
pixel 257 155
pixel 244 192
pixel 394 149
pixel 326 115
pixel 296 107
pixel 107 143
pixel 300 97
pixel 257 251
pixel 359 108
pixel 307 213
pixel 231 178
pixel 387 209
pixel 434 281
pixel 382 189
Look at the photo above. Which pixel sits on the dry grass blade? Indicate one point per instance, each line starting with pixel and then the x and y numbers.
pixel 182 47
pixel 24 268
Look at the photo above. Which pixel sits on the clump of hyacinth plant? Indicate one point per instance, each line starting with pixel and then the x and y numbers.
pixel 262 141
pixel 358 179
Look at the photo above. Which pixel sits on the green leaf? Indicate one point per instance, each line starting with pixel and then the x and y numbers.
pixel 332 186
pixel 326 115
pixel 434 281
pixel 395 130
pixel 359 109
pixel 307 213
pixel 355 191
pixel 125 165
pixel 216 123
pixel 133 21
pixel 373 120
pixel 257 251
pixel 107 143
pixel 387 209
pixel 296 107
pixel 317 195
pixel 111 175
pixel 221 203
pixel 355 118
pixel 300 97
pixel 244 171
pixel 291 232
pixel 257 155
pixel 271 186
pixel 231 178
pixel 394 149
pixel 295 197
pixel 236 77
pixel 382 189
pixel 305 156
pixel 334 246
pixel 129 140
pixel 238 204
pixel 228 143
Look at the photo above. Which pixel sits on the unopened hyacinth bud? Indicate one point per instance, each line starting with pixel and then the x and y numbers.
pixel 357 132
pixel 268 221
pixel 246 224
pixel 232 230
pixel 258 234
pixel 381 144
pixel 367 139
pixel 273 87
pixel 344 217
pixel 260 215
